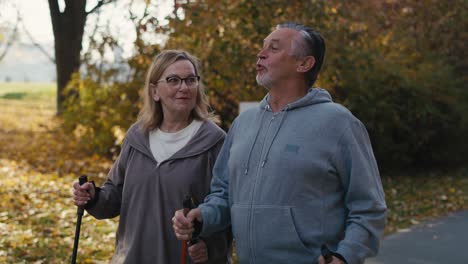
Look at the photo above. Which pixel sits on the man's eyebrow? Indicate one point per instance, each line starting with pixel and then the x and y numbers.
pixel 272 40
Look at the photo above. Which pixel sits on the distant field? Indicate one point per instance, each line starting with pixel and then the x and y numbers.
pixel 24 105
pixel 40 92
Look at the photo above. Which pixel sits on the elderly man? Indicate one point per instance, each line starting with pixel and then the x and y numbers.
pixel 296 173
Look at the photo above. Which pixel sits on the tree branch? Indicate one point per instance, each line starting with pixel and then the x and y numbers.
pixel 54 7
pixel 55 15
pixel 176 7
pixel 138 22
pixel 12 38
pixel 98 5
pixel 36 44
pixel 145 14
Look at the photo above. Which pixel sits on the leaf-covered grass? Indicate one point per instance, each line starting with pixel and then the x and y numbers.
pixel 39 163
pixel 419 196
pixel 42 92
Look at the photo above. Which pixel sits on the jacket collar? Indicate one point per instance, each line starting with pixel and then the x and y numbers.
pixel 208 135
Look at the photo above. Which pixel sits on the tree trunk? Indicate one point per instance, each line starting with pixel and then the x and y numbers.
pixel 68 27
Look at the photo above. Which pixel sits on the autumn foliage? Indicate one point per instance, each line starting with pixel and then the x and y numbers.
pixel 39 163
pixel 399 66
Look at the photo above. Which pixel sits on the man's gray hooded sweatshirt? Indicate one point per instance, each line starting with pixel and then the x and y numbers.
pixel 293 180
pixel 146 196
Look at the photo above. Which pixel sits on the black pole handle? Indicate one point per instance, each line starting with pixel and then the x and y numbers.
pixel 189 203
pixel 81 180
pixel 326 253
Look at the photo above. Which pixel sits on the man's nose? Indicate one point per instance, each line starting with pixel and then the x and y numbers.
pixel 261 54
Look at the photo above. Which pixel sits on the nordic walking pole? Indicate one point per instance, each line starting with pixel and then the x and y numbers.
pixel 189 204
pixel 326 253
pixel 79 213
pixel 183 254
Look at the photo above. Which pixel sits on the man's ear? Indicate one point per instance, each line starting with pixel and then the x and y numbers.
pixel 154 92
pixel 306 63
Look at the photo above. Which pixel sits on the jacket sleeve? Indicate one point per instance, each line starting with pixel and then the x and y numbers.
pixel 219 243
pixel 364 195
pixel 215 210
pixel 107 201
pixel 219 246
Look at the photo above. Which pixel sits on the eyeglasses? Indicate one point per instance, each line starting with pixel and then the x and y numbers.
pixel 175 81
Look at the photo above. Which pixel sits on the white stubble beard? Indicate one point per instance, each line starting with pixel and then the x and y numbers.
pixel 264 80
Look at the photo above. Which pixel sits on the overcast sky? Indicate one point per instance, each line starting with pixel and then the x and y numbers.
pixel 36 15
pixel 36 18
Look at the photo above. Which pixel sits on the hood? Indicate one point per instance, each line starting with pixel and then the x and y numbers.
pixel 313 96
pixel 208 135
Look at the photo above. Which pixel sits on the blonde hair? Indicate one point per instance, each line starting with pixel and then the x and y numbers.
pixel 151 115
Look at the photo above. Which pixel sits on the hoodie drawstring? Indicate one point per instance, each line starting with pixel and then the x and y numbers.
pixel 255 139
pixel 274 135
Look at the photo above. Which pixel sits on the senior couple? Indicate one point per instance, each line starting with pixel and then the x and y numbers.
pixel 293 174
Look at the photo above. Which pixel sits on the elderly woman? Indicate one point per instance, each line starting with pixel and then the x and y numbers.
pixel 167 155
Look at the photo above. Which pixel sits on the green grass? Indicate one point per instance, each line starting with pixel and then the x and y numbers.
pixel 35 93
pixel 38 164
pixel 26 101
pixel 417 196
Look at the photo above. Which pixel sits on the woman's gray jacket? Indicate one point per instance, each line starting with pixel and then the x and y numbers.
pixel 146 195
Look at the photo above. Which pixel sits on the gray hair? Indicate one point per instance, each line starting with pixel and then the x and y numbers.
pixel 311 43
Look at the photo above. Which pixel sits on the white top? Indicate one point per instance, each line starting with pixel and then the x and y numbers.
pixel 163 145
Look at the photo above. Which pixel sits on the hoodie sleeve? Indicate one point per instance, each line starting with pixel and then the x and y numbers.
pixel 219 246
pixel 215 210
pixel 107 201
pixel 218 243
pixel 364 196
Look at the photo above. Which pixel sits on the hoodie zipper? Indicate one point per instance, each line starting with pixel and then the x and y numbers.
pixel 254 187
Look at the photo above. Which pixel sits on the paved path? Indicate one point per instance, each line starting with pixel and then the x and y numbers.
pixel 440 241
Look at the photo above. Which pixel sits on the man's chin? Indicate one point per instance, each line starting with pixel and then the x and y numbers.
pixel 264 83
pixel 264 86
